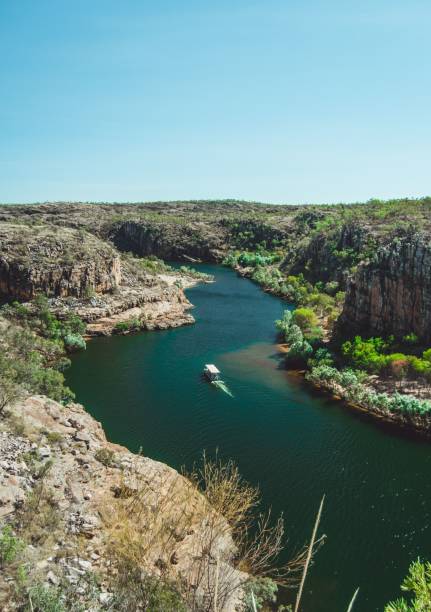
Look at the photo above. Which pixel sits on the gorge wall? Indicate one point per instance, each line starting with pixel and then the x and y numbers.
pixel 171 241
pixel 392 293
pixel 57 263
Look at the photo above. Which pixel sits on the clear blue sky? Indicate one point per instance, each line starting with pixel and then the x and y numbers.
pixel 272 100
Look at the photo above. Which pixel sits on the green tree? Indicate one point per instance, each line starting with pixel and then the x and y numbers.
pixel 305 318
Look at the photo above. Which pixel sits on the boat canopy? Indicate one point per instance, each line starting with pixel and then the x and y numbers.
pixel 211 369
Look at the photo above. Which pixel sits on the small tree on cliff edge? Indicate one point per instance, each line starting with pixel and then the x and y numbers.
pixel 9 393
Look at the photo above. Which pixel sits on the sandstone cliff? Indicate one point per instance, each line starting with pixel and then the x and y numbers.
pixel 66 262
pixel 172 241
pixel 327 256
pixel 392 293
pixel 80 272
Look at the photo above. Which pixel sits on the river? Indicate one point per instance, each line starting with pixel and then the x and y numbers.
pixel 147 391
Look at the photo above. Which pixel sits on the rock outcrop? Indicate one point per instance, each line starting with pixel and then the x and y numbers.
pixel 61 455
pixel 57 262
pixel 392 293
pixel 79 272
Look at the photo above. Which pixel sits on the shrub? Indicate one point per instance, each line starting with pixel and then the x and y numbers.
pixel 54 437
pixel 285 322
pixel 411 339
pixel 365 354
pixel 188 271
pixel 352 389
pixel 264 591
pixel 418 584
pixel 9 393
pixel 74 342
pixel 305 318
pixel 322 302
pixel 314 334
pixel 105 456
pixel 294 335
pixel 10 546
pixel 132 324
pixel 321 357
pixel 299 353
pixel 42 598
pixel 135 592
pixel 331 287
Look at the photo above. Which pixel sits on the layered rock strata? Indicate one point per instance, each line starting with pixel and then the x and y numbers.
pixel 65 262
pixel 392 293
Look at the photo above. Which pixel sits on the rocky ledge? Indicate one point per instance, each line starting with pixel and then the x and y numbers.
pixel 156 304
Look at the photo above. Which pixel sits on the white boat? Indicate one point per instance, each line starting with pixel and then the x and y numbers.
pixel 211 372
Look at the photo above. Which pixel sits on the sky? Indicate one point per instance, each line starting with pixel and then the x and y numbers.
pixel 285 101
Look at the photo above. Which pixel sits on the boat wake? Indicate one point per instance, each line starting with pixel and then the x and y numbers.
pixel 220 384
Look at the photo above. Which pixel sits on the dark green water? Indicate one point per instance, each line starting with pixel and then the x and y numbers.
pixel 147 391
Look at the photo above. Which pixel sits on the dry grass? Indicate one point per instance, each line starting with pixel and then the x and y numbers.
pixel 199 535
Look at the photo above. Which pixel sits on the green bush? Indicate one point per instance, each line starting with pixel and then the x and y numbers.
pixel 300 350
pixel 348 384
pixel 321 357
pixel 38 318
pixel 42 598
pixel 188 271
pixel 418 584
pixel 30 362
pixel 305 318
pixel 264 592
pixel 131 325
pixel 366 354
pixel 10 546
pixel 372 355
pixel 74 342
pixel 411 339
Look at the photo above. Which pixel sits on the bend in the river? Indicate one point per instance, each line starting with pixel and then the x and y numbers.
pixel 147 391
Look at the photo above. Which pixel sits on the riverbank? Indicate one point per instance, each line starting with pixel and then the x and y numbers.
pixel 382 399
pixel 416 424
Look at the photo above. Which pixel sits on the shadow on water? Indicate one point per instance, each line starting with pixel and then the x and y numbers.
pixel 294 443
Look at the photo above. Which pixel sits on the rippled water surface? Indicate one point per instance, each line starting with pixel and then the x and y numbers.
pixel 147 391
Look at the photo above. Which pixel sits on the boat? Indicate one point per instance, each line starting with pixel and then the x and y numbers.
pixel 211 372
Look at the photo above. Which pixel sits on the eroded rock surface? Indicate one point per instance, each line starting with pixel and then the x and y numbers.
pixel 392 293
pixel 65 451
pixel 44 259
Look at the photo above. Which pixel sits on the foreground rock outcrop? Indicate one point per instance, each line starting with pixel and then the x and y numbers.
pixel 88 491
pixel 392 293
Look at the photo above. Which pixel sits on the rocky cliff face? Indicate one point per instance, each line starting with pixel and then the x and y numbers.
pixel 392 293
pixel 328 256
pixel 80 272
pixel 172 241
pixel 67 262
